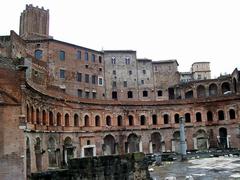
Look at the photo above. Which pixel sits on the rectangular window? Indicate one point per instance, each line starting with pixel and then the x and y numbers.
pixel 86 78
pixel 142 81
pixel 94 95
pixel 144 71
pixel 145 93
pixel 114 72
pixel 113 60
pixel 62 55
pixel 87 94
pixel 130 72
pixel 114 84
pixel 127 60
pixel 94 79
pixel 155 68
pixel 86 56
pixel 100 81
pixel 79 55
pixel 93 57
pixel 62 73
pixel 100 59
pixel 125 83
pixel 79 77
pixel 80 92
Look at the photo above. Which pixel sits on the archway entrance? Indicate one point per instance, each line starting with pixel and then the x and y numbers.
pixel 176 142
pixel 200 140
pixel 156 142
pixel 68 150
pixel 223 142
pixel 52 160
pixel 133 143
pixel 109 145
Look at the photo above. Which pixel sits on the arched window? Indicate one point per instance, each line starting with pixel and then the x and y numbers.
pixel 143 120
pixel 201 91
pixel 166 118
pixel 225 87
pixel 108 121
pixel 221 115
pixel 76 120
pixel 213 90
pixel 232 114
pixel 130 120
pixel 59 119
pixel 44 117
pixel 119 120
pixel 189 95
pixel 38 116
pixel 67 123
pixel 176 118
pixel 154 119
pixel 51 123
pixel 38 54
pixel 97 120
pixel 86 121
pixel 209 116
pixel 198 117
pixel 130 94
pixel 187 118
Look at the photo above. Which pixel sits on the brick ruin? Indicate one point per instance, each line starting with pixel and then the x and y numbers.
pixel 59 100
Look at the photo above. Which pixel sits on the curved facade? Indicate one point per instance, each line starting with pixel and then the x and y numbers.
pixel 61 101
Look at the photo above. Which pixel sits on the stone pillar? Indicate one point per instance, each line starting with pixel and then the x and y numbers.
pixel 183 146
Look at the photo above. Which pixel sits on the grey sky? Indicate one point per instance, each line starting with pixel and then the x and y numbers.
pixel 186 30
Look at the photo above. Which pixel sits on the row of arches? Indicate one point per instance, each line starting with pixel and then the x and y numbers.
pixel 47 118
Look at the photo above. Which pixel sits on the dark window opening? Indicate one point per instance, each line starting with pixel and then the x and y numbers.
pixel 130 94
pixel 187 118
pixel 209 116
pixel 165 118
pixel 114 95
pixel 62 55
pixel 154 119
pixel 108 121
pixel 220 115
pixel 176 118
pixel 119 120
pixel 232 114
pixel 198 117
pixel 143 120
pixel 130 120
pixel 145 93
pixel 159 93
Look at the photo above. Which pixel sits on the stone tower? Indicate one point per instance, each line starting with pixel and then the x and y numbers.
pixel 34 23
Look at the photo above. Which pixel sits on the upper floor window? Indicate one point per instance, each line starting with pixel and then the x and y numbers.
pixel 130 94
pixel 130 72
pixel 125 83
pixel 62 55
pixel 114 84
pixel 127 60
pixel 94 95
pixel 142 81
pixel 80 92
pixel 144 71
pixel 159 93
pixel 94 77
pixel 79 77
pixel 38 54
pixel 100 59
pixel 100 81
pixel 93 57
pixel 87 94
pixel 113 60
pixel 114 72
pixel 145 93
pixel 62 73
pixel 79 55
pixel 86 56
pixel 86 78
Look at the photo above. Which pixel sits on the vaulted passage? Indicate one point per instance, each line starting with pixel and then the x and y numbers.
pixel 109 145
pixel 156 142
pixel 133 143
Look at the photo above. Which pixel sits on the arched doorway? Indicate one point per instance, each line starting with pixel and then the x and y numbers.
pixel 223 142
pixel 68 149
pixel 156 142
pixel 200 140
pixel 176 142
pixel 52 160
pixel 133 143
pixel 109 145
pixel 38 154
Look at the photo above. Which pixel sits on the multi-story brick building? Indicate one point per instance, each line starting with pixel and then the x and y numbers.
pixel 59 100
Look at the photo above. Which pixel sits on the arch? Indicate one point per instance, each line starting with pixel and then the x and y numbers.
pixel 108 121
pixel 142 120
pixel 67 122
pixel 109 145
pixel 52 160
pixel 187 117
pixel 38 154
pixel 235 84
pixel 133 143
pixel 156 142
pixel 38 116
pixel 201 92
pixel 213 89
pixel 44 117
pixel 68 149
pixel 154 119
pixel 119 120
pixel 130 120
pixel 166 118
pixel 176 118
pixel 76 120
pixel 198 117
pixel 130 94
pixel 223 143
pixel 86 121
pixel 97 120
pixel 232 114
pixel 209 116
pixel 59 119
pixel 189 94
pixel 51 123
pixel 221 115
pixel 201 142
pixel 225 87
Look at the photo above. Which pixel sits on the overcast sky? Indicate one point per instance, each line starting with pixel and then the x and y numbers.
pixel 185 30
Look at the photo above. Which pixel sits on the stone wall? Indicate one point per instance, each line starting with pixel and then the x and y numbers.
pixel 127 167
